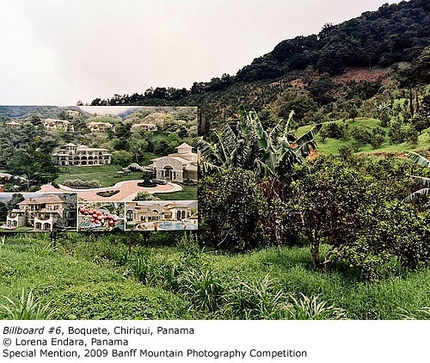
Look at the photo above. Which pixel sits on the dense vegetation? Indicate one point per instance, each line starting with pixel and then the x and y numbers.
pixel 98 278
pixel 354 204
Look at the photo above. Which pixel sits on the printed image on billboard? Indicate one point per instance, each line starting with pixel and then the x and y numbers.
pixel 37 212
pixel 105 155
pixel 100 216
pixel 162 215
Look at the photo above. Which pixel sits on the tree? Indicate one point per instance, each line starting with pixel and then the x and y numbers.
pixel 325 204
pixel 36 120
pixel 297 100
pixel 123 133
pixel 411 135
pixel 339 204
pixel 270 155
pixel 233 210
pixel 122 158
pixel 138 147
pixel 248 145
pixel 13 202
pixel 36 166
pixel 3 211
pixel 321 89
pixel 396 133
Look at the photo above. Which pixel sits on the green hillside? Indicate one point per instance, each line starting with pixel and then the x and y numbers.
pixel 331 145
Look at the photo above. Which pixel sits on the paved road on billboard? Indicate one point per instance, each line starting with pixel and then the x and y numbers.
pixel 127 191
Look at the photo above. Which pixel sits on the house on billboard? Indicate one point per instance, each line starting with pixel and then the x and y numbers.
pixel 144 127
pixel 52 124
pixel 100 126
pixel 72 113
pixel 141 214
pixel 81 155
pixel 179 166
pixel 13 125
pixel 41 213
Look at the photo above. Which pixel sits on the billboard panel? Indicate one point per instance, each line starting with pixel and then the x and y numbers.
pixel 38 212
pixel 112 161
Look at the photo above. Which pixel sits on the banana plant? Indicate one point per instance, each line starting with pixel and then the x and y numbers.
pixel 270 154
pixel 422 161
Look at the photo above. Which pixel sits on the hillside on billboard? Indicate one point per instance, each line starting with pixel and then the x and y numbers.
pixel 90 168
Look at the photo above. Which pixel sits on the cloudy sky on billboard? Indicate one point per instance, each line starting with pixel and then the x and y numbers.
pixel 59 52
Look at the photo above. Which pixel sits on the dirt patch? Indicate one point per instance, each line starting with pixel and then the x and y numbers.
pixel 363 74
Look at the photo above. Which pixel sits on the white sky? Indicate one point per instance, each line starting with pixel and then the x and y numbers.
pixel 56 52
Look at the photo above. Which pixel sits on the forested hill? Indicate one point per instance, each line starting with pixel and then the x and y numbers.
pixel 394 33
pixel 376 39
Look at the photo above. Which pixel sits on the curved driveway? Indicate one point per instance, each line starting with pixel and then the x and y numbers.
pixel 127 191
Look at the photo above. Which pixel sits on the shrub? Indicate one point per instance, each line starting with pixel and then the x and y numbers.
pixel 360 217
pixel 189 182
pixel 346 152
pixel 83 184
pixel 361 135
pixel 145 196
pixel 147 183
pixel 411 135
pixel 332 130
pixel 396 133
pixel 378 137
pixel 108 193
pixel 232 210
pixel 122 157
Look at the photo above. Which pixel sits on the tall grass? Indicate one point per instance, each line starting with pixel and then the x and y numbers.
pixel 261 299
pixel 25 307
pixel 97 277
pixel 203 288
pixel 313 308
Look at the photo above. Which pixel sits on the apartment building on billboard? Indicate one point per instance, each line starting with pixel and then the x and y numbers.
pixel 82 155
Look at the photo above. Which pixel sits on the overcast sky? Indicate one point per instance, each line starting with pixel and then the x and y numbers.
pixel 56 52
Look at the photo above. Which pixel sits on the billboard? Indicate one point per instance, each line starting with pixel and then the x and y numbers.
pixel 98 168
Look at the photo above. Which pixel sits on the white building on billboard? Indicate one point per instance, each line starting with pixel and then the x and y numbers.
pixel 179 166
pixel 81 155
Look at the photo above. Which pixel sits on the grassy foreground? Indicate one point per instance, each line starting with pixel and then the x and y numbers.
pixel 97 278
